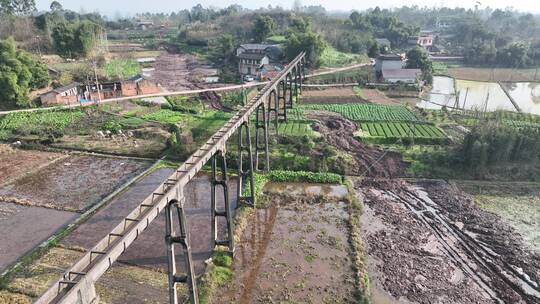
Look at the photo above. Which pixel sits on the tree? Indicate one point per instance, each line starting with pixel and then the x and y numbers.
pixel 17 7
pixel 56 6
pixel 73 40
pixel 302 38
pixel 513 55
pixel 417 58
pixel 263 27
pixel 19 73
pixel 374 51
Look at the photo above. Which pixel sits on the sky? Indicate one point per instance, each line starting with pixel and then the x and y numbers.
pixel 123 8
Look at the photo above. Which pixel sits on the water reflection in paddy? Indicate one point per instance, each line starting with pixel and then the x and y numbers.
pixel 477 95
pixel 527 95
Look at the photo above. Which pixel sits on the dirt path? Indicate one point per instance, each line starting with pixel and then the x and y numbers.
pixel 339 132
pixel 429 243
pixel 376 96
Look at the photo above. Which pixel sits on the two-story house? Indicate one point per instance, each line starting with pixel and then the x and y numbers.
pixel 253 56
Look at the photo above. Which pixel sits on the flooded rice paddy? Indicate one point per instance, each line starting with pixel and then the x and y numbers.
pixel 294 252
pixel 25 227
pixel 149 249
pixel 482 96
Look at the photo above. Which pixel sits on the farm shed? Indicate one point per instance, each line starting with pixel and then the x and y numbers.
pixel 63 95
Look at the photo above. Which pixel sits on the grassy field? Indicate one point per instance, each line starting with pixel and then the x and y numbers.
pixel 276 39
pixel 122 68
pixel 334 58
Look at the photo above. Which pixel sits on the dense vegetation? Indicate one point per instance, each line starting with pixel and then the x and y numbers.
pixel 19 73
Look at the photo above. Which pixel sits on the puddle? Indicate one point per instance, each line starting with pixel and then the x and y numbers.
pixel 334 191
pixel 23 228
pixel 293 256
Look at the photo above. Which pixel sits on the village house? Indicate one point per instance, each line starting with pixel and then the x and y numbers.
pixel 253 57
pixel 63 95
pixel 408 76
pixel 144 24
pixel 424 40
pixel 251 63
pixel 390 61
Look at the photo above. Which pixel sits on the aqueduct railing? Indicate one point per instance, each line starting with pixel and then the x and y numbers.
pixel 271 103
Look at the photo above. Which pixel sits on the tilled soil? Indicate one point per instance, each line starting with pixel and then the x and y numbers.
pixel 331 95
pixel 339 132
pixel 172 72
pixel 72 184
pixel 429 243
pixel 14 162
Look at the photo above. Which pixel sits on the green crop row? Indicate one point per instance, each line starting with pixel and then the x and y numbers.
pixel 294 128
pixel 304 176
pixel 392 131
pixel 57 120
pixel 368 112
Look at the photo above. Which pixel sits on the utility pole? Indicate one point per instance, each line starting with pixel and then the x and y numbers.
pixel 97 82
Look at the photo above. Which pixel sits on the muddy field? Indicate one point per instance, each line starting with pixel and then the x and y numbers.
pixel 330 95
pixel 517 203
pixel 73 184
pixel 16 162
pixel 429 243
pixel 25 227
pixel 149 249
pixel 295 251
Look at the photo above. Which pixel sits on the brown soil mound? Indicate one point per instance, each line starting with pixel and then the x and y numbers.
pixel 339 132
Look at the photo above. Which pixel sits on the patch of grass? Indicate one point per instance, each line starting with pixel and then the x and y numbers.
pixel 122 68
pixel 355 239
pixel 276 39
pixel 304 176
pixel 333 58
pixel 165 116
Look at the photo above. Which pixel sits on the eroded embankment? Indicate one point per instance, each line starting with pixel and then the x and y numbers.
pixel 430 243
pixel 339 133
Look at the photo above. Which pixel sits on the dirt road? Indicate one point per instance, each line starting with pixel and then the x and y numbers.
pixel 429 243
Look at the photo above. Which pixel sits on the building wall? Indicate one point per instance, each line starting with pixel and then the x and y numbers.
pixel 148 87
pixel 129 88
pixel 245 64
pixel 396 80
pixel 388 64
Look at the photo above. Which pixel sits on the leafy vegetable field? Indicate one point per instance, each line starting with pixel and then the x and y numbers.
pixel 58 120
pixel 363 112
pixel 295 128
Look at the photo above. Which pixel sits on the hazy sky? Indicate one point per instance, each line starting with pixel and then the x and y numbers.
pixel 129 7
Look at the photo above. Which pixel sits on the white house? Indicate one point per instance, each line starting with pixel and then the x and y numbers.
pixel 409 76
pixel 251 63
